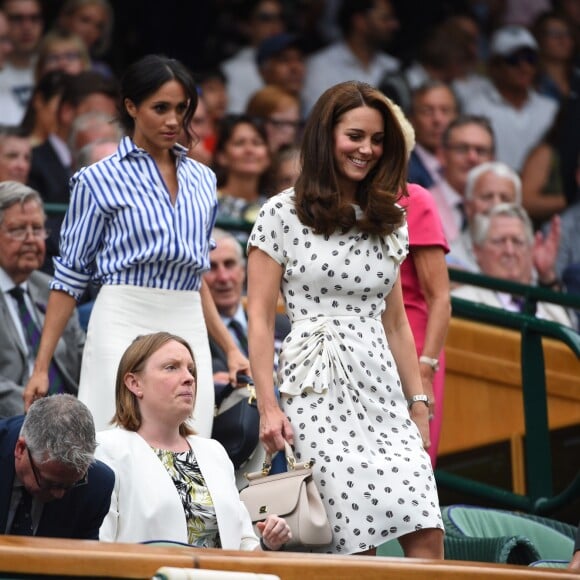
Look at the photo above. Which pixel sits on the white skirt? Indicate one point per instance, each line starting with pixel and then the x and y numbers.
pixel 119 315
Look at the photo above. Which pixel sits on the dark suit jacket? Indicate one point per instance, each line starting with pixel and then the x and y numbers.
pixel 219 359
pixel 48 175
pixel 418 172
pixel 13 354
pixel 78 514
pixel 51 179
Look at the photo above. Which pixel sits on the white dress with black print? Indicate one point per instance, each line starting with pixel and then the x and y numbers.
pixel 339 383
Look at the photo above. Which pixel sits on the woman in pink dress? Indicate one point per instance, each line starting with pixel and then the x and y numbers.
pixel 425 283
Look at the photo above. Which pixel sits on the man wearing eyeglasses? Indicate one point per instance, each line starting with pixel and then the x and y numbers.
pixel 26 25
pixel 519 115
pixel 23 296
pixel 503 242
pixel 51 485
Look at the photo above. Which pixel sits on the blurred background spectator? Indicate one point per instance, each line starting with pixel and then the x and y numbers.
pixel 61 51
pixel 40 117
pixel 279 111
pixel 241 161
pixel 15 154
pixel 433 107
pixel 92 21
pixel 258 20
pixel 26 25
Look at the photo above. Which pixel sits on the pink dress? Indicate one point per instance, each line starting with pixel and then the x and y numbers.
pixel 425 229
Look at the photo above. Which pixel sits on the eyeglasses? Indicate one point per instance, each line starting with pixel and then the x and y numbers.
pixel 19 234
pixel 517 58
pixel 21 18
pixel 51 485
pixel 465 148
pixel 517 243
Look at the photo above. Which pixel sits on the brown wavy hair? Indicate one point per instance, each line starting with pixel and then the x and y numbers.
pixel 318 200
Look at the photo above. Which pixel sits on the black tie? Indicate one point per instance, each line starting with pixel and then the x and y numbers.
pixel 240 335
pixel 22 522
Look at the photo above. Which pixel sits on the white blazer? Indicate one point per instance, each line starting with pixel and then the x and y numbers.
pixel 145 504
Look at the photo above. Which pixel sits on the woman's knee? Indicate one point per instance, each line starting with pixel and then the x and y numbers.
pixel 426 543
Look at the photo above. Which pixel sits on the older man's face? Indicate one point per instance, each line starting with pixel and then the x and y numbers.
pixel 506 252
pixel 20 257
pixel 226 276
pixel 490 190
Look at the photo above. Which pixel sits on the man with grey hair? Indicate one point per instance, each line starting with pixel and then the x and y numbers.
pixel 23 296
pixel 488 185
pixel 92 127
pixel 51 485
pixel 502 243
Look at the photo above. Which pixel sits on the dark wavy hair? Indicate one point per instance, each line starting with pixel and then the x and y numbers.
pixel 146 76
pixel 318 200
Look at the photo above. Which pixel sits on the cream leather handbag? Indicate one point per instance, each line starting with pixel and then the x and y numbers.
pixel 292 495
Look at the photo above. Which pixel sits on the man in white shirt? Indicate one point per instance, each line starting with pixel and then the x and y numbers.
pixel 367 26
pixel 17 76
pixel 519 115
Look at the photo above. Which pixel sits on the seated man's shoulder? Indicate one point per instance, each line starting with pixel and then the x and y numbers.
pixel 101 475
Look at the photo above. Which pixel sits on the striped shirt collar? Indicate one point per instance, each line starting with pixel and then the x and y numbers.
pixel 128 148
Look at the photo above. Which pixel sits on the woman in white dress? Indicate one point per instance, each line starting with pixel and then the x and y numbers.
pixel 351 393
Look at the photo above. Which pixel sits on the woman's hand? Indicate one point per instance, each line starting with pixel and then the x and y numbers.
pixel 275 429
pixel 36 388
pixel 275 532
pixel 420 415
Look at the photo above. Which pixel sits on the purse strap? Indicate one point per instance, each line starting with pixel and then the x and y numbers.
pixel 290 460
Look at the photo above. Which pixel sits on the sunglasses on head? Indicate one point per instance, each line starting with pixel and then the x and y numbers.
pixel 517 58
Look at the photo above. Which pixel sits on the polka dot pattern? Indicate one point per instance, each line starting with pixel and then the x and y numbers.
pixel 339 383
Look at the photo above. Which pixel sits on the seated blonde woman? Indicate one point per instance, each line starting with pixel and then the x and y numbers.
pixel 171 484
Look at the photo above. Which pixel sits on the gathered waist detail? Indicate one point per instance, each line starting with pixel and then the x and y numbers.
pixel 317 352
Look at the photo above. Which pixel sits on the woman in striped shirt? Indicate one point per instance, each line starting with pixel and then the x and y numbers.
pixel 139 223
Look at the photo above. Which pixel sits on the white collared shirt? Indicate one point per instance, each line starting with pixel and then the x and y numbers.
pixel 516 131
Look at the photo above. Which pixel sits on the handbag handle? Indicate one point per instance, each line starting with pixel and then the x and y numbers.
pixel 290 460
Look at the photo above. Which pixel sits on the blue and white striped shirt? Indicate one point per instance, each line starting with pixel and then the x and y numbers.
pixel 121 227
